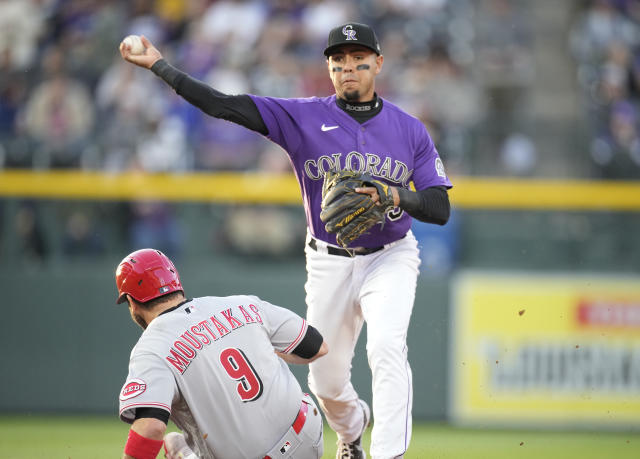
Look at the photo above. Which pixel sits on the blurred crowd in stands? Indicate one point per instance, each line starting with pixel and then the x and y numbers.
pixel 464 67
pixel 605 42
pixel 67 100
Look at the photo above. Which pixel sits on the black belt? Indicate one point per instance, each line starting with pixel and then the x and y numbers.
pixel 346 253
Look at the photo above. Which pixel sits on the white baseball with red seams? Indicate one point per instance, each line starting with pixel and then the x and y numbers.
pixel 135 44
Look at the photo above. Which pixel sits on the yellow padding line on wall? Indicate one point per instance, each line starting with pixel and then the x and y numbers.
pixel 220 187
pixel 253 187
pixel 549 194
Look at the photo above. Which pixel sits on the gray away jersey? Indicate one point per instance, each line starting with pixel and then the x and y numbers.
pixel 211 364
pixel 318 136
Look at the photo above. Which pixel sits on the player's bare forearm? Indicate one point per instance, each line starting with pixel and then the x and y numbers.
pixel 150 428
pixel 297 360
pixel 150 56
pixel 292 359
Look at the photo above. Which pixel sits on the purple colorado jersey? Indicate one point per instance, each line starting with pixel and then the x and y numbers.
pixel 318 136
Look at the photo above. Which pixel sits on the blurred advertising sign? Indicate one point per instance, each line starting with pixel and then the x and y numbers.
pixel 545 349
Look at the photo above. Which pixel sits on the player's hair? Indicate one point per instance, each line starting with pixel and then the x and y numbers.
pixel 161 299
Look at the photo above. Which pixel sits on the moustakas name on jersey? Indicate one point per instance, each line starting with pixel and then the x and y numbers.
pixel 319 136
pixel 218 352
pixel 197 336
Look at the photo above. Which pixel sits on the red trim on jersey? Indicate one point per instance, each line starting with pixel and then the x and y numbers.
pixel 142 447
pixel 298 424
pixel 298 338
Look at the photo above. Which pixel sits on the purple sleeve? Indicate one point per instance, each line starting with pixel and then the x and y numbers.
pixel 429 169
pixel 282 120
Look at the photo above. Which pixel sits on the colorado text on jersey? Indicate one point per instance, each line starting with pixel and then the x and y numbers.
pixel 367 163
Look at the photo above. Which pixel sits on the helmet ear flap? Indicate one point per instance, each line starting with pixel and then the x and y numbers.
pixel 145 275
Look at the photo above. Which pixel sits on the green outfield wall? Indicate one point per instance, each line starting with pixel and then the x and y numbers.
pixel 65 344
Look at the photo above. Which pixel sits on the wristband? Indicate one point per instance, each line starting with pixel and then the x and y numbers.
pixel 142 447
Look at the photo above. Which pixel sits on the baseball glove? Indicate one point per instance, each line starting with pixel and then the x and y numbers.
pixel 350 214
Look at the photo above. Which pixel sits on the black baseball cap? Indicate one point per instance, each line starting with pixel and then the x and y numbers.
pixel 352 33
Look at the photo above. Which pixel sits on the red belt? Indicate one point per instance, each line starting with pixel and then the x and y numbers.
pixel 298 424
pixel 299 421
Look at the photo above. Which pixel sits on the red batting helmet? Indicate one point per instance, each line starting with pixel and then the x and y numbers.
pixel 146 274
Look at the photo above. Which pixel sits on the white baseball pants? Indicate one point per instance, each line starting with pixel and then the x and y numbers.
pixel 341 294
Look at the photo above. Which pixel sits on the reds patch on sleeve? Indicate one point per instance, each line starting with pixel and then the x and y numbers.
pixel 132 388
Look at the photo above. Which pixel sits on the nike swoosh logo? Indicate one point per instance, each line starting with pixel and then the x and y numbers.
pixel 328 128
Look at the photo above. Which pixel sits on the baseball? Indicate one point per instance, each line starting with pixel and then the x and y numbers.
pixel 135 44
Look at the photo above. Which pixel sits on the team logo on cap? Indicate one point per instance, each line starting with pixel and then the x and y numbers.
pixel 348 32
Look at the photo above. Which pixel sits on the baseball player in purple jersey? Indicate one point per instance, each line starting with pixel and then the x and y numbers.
pixel 211 365
pixel 354 129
